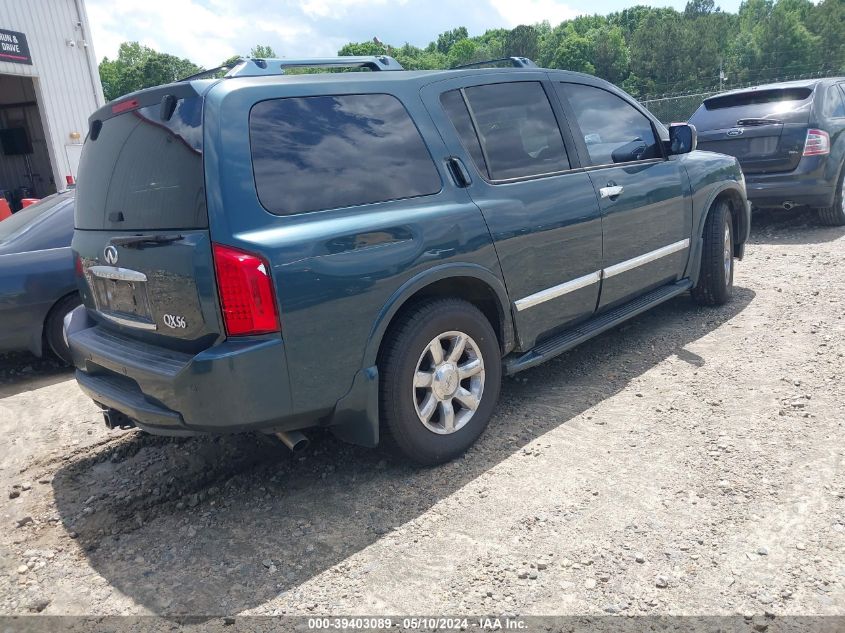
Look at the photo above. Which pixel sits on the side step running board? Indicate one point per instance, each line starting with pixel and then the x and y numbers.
pixel 598 324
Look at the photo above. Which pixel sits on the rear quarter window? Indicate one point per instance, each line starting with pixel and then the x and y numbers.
pixel 834 104
pixel 329 152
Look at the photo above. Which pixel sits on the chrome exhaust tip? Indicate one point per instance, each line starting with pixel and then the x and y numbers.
pixel 294 440
pixel 788 205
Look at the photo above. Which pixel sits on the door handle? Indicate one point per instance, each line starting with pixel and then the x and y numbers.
pixel 611 191
pixel 458 171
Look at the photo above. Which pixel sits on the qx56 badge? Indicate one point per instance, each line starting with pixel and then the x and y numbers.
pixel 175 322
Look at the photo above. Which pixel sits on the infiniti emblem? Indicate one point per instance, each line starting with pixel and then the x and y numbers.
pixel 110 255
pixel 737 131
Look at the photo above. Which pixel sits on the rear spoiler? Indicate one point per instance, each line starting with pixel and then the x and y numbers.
pixel 166 96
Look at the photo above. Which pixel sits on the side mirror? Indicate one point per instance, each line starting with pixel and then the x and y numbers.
pixel 683 138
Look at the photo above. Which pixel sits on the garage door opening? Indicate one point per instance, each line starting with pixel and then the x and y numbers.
pixel 26 170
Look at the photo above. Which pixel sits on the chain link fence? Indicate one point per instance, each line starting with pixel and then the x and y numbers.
pixel 676 109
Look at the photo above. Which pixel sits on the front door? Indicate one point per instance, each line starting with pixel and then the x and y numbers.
pixel 647 218
pixel 539 204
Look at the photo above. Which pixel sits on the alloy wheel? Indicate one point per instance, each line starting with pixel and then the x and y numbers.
pixel 448 382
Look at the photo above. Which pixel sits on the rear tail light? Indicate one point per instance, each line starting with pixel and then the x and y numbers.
pixel 125 106
pixel 817 143
pixel 77 266
pixel 246 292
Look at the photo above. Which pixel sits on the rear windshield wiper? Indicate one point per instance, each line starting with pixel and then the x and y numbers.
pixel 139 241
pixel 752 122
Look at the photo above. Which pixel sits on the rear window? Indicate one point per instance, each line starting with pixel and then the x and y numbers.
pixel 781 105
pixel 328 152
pixel 144 173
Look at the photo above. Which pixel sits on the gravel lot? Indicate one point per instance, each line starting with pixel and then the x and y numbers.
pixel 689 462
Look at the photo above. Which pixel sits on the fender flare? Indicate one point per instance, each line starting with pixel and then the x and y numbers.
pixel 426 278
pixel 743 222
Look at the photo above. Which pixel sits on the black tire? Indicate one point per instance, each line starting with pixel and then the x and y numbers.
pixel 55 323
pixel 716 278
pixel 835 215
pixel 405 347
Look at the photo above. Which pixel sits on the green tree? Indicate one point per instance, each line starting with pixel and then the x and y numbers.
pixel 523 41
pixel 609 53
pixel 826 22
pixel 573 51
pixel 362 48
pixel 262 51
pixel 493 42
pixel 786 46
pixel 137 67
pixel 655 55
pixel 446 40
pixel 414 58
pixel 463 51
pixel 697 8
pixel 660 51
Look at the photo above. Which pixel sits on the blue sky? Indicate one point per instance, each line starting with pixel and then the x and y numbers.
pixel 209 31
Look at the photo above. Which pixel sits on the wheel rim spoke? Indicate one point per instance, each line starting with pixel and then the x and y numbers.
pixel 470 368
pixel 728 255
pixel 428 407
pixel 447 416
pixel 467 399
pixel 422 379
pixel 458 348
pixel 436 350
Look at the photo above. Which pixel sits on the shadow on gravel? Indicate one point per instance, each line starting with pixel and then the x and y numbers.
pixel 21 371
pixel 213 526
pixel 797 226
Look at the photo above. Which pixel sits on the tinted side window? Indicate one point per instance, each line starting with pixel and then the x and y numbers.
pixel 312 153
pixel 834 105
pixel 456 109
pixel 614 131
pixel 518 130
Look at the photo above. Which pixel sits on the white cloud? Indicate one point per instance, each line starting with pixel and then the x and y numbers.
pixel 337 8
pixel 181 27
pixel 533 11
pixel 209 31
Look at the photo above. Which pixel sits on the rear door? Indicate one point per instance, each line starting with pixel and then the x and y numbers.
pixel 647 219
pixel 764 129
pixel 538 203
pixel 141 227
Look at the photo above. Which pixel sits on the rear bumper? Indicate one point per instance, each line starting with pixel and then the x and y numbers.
pixel 231 387
pixel 806 185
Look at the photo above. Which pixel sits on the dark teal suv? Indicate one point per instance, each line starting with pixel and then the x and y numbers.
pixel 371 251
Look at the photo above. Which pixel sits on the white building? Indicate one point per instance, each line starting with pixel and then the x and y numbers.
pixel 49 85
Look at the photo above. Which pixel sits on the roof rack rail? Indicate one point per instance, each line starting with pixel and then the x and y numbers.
pixel 212 71
pixel 262 67
pixel 516 62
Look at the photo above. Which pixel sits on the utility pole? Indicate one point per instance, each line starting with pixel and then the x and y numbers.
pixel 722 76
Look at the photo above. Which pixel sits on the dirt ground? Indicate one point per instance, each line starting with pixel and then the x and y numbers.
pixel 689 462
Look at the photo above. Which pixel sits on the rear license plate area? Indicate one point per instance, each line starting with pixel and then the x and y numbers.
pixel 122 297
